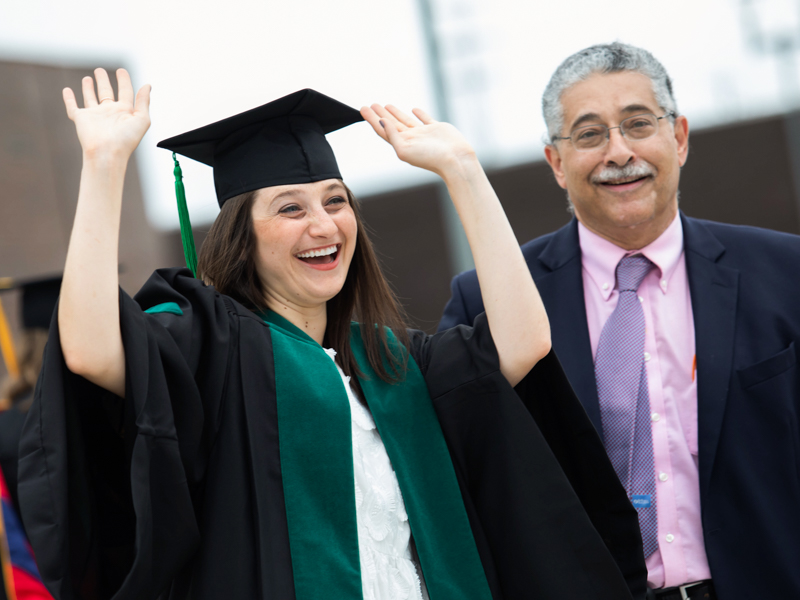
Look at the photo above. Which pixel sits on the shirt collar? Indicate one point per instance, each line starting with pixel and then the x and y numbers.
pixel 600 257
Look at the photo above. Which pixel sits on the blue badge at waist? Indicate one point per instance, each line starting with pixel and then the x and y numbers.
pixel 641 501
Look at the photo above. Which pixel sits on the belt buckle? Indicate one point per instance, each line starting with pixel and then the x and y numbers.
pixel 682 589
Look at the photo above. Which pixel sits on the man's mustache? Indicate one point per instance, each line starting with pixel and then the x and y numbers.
pixel 631 171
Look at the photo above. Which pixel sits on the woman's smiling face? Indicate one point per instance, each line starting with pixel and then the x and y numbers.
pixel 305 240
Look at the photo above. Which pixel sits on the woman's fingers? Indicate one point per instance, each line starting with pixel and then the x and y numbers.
pixel 87 87
pixel 387 116
pixel 143 100
pixel 423 116
pixel 389 122
pixel 104 90
pixel 400 116
pixel 125 87
pixel 371 117
pixel 391 129
pixel 70 102
pixel 380 111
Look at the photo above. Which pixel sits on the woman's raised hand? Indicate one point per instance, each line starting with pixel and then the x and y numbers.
pixel 421 142
pixel 517 319
pixel 109 128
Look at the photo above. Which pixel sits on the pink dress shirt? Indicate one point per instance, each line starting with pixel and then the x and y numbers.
pixel 672 382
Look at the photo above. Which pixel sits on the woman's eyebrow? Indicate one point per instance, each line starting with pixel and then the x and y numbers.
pixel 297 192
pixel 294 192
pixel 335 186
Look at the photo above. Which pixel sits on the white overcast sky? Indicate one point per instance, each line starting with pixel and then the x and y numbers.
pixel 208 60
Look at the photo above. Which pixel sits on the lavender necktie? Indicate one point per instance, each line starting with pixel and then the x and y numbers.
pixel 625 400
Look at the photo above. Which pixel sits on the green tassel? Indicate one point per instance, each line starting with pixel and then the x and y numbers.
pixel 183 214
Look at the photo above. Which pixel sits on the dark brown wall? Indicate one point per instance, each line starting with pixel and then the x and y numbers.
pixel 533 201
pixel 742 174
pixel 407 230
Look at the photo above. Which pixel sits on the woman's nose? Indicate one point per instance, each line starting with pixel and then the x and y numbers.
pixel 322 224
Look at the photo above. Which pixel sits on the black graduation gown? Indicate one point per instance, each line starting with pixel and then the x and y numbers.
pixel 11 421
pixel 176 492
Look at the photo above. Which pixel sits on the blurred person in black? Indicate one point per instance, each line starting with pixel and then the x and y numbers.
pixel 20 575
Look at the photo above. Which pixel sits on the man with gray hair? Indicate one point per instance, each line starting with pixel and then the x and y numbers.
pixel 679 336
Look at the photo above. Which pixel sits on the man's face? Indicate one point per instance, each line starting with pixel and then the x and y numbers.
pixel 626 191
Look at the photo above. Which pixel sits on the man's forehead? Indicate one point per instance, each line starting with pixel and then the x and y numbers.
pixel 608 96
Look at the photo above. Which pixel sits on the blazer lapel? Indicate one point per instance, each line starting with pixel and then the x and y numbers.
pixel 714 290
pixel 561 289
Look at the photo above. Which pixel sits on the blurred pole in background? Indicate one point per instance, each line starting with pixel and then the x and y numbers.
pixel 460 254
pixel 772 28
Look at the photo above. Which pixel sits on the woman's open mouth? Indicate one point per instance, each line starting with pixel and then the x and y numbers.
pixel 326 257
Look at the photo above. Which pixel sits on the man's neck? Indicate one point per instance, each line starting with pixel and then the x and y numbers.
pixel 635 237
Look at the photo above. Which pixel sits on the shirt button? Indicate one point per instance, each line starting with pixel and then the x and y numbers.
pixel 646 356
pixel 641 299
pixel 663 476
pixel 655 417
pixel 605 286
pixel 670 538
pixel 664 284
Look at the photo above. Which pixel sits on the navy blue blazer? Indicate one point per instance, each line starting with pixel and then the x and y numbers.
pixel 745 289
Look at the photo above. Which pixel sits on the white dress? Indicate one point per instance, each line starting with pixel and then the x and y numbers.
pixel 389 570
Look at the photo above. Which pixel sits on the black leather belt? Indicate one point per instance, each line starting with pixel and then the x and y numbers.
pixel 699 590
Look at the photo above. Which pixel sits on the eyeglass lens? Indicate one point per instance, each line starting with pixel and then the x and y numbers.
pixel 638 127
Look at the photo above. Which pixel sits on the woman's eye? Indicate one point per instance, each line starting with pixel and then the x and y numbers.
pixel 288 210
pixel 336 200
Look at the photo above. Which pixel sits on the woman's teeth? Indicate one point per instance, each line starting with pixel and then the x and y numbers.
pixel 317 253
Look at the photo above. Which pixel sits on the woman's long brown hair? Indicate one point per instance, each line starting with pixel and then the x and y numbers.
pixel 227 261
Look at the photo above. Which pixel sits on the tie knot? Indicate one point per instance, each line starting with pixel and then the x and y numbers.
pixel 630 272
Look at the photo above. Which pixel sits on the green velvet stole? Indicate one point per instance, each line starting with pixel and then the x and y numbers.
pixel 317 467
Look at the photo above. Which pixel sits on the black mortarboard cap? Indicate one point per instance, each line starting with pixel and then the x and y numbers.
pixel 279 143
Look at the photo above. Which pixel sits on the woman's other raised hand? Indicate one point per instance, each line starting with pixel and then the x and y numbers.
pixel 421 142
pixel 516 315
pixel 109 128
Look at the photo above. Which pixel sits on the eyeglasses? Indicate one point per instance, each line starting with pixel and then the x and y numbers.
pixel 636 128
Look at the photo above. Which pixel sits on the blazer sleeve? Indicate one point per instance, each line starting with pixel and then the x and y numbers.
pixel 548 513
pixel 462 296
pixel 106 484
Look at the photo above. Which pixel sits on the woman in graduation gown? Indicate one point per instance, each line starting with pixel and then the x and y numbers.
pixel 246 440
